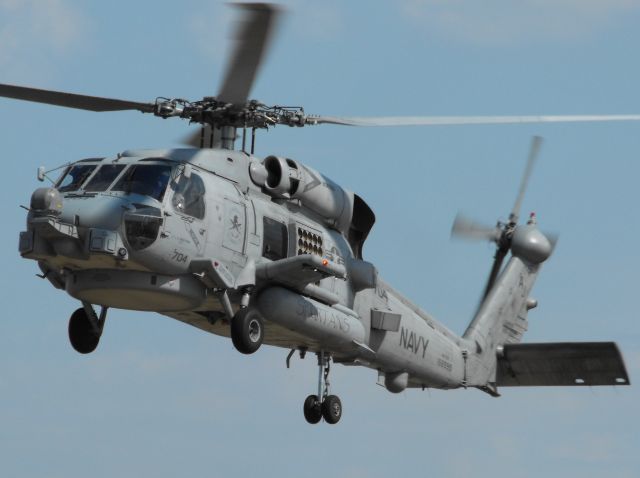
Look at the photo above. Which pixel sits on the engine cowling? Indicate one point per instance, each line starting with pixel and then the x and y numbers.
pixel 287 179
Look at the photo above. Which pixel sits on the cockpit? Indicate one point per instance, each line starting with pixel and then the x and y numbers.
pixel 152 178
pixel 144 179
pixel 74 177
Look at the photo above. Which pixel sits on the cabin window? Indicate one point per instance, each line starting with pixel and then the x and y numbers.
pixel 103 177
pixel 74 177
pixel 275 236
pixel 189 196
pixel 146 179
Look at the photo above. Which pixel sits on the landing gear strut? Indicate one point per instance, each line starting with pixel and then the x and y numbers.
pixel 85 328
pixel 323 405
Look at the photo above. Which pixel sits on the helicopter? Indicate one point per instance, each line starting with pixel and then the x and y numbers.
pixel 270 251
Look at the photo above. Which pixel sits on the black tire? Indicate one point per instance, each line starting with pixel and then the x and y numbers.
pixel 332 409
pixel 312 409
pixel 82 335
pixel 247 330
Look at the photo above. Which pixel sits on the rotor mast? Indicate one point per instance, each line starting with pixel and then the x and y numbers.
pixel 252 39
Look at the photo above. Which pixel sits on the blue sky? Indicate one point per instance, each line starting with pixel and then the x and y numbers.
pixel 160 398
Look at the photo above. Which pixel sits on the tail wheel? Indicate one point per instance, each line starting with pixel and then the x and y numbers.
pixel 247 330
pixel 312 409
pixel 332 409
pixel 82 334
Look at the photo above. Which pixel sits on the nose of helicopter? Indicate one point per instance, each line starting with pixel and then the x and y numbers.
pixel 95 246
pixel 88 211
pixel 102 211
pixel 78 225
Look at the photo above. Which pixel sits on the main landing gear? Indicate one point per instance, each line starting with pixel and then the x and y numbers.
pixel 85 328
pixel 247 330
pixel 323 405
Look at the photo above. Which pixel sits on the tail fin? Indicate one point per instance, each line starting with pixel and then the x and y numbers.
pixel 499 359
pixel 502 316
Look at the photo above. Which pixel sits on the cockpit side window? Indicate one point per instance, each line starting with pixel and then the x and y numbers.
pixel 146 179
pixel 103 177
pixel 74 177
pixel 189 196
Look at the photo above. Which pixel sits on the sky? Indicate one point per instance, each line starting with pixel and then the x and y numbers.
pixel 159 398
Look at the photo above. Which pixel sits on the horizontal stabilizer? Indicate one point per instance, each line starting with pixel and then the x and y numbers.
pixel 548 364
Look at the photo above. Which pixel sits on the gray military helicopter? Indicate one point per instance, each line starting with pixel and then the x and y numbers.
pixel 270 250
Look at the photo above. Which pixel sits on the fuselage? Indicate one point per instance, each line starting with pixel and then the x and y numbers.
pixel 169 230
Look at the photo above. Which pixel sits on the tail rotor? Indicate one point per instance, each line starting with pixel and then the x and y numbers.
pixel 503 233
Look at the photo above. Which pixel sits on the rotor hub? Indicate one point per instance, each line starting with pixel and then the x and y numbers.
pixel 216 113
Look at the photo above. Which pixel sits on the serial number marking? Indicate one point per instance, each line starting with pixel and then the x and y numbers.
pixel 445 365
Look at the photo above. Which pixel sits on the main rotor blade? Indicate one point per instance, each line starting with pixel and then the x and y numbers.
pixel 461 120
pixel 466 228
pixel 72 100
pixel 536 142
pixel 253 36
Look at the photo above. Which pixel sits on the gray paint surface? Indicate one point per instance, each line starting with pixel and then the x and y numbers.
pixel 317 297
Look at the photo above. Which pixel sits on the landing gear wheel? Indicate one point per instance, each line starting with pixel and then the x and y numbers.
pixel 312 409
pixel 247 330
pixel 82 334
pixel 332 409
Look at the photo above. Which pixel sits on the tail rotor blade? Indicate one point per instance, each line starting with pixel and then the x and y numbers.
pixel 536 142
pixel 465 228
pixel 501 252
pixel 553 238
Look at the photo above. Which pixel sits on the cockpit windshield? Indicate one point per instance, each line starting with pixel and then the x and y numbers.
pixel 103 177
pixel 146 179
pixel 73 178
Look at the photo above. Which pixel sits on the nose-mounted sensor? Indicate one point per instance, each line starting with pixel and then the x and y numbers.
pixel 46 202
